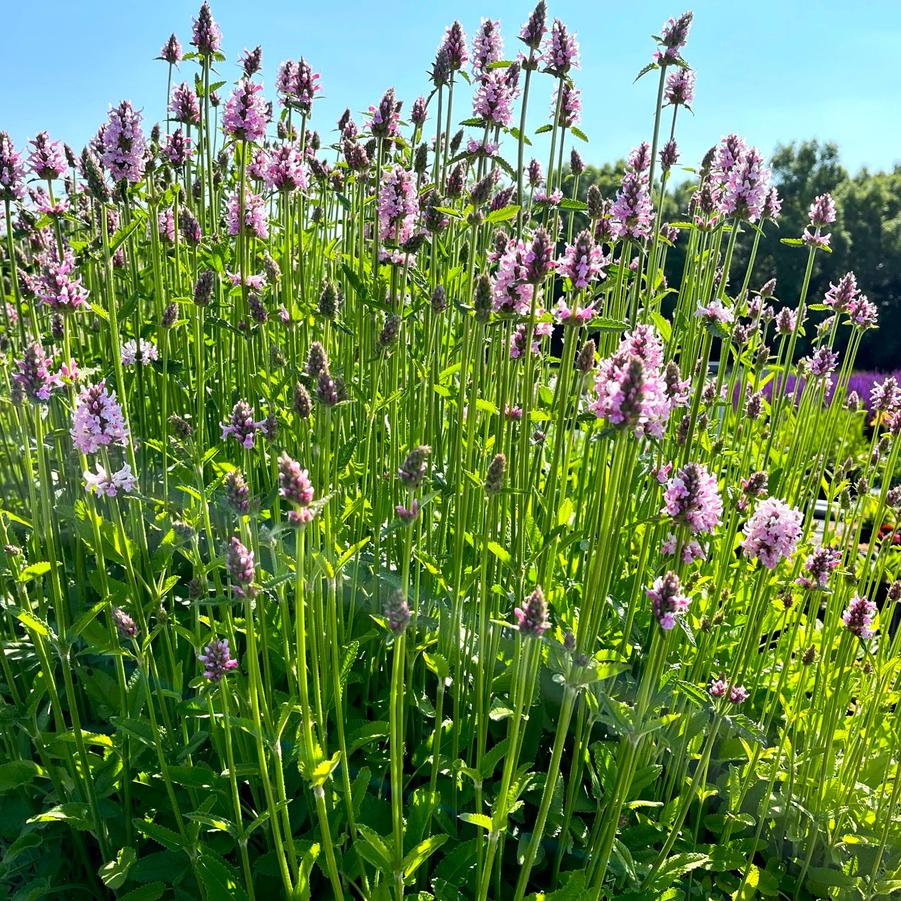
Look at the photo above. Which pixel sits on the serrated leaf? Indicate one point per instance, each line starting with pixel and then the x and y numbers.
pixel 477 819
pixel 153 891
pixel 371 846
pixel 16 773
pixel 170 840
pixel 499 551
pixel 114 873
pixel 421 853
pixel 34 570
pixel 503 214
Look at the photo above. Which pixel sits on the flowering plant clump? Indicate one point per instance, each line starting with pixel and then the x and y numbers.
pixel 297 420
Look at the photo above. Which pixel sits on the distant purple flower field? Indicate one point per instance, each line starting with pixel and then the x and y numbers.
pixel 862 382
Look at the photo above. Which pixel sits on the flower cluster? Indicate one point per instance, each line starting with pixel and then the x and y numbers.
pixel 859 615
pixel 398 206
pixel 241 425
pixel 692 498
pixel 667 600
pixel 217 660
pixel 246 115
pixel 531 617
pixel 772 533
pixel 124 150
pixel 630 388
pixel 98 420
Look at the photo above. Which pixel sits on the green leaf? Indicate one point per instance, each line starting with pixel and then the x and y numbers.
pixel 33 623
pixel 747 728
pixel 16 773
pixel 153 891
pixel 663 326
pixel 170 840
pixel 605 324
pixel 491 758
pixel 421 853
pixel 73 812
pixel 366 734
pixel 570 203
pixel 503 214
pixel 139 729
pixel 500 552
pixel 438 664
pixel 114 873
pixel 674 867
pixel 372 848
pixel 477 819
pixel 33 571
pixel 324 769
pixel 828 876
pixel 218 877
pixel 121 235
pixel 25 842
pixel 86 619
pixel 579 133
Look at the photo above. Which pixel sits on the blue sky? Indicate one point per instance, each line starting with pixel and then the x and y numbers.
pixel 771 71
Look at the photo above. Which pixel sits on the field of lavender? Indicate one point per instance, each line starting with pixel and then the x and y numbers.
pixel 378 521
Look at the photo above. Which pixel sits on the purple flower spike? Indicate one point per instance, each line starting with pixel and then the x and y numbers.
pixel 98 420
pixel 631 390
pixel 583 261
pixel 493 99
pixel 251 61
pixel 34 377
pixel 246 113
pixel 535 28
pixel 171 51
pixel 217 660
pixel 818 567
pixel 454 46
pixel 680 87
pixel 207 37
pixel 747 187
pixel 632 211
pixel 256 222
pixel 297 85
pixel 385 116
pixel 561 52
pixel 532 618
pixel 398 206
pixel 738 694
pixel 184 105
pixel 12 172
pixel 673 38
pixel 692 497
pixel 178 148
pixel 294 483
pixel 124 149
pixel 285 170
pixel 570 104
pixel 47 160
pixel 241 425
pixel 110 484
pixel 240 564
pixel 822 211
pixel 125 625
pixel 772 533
pixel 397 611
pixel 859 616
pixel 487 46
pixel 667 600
